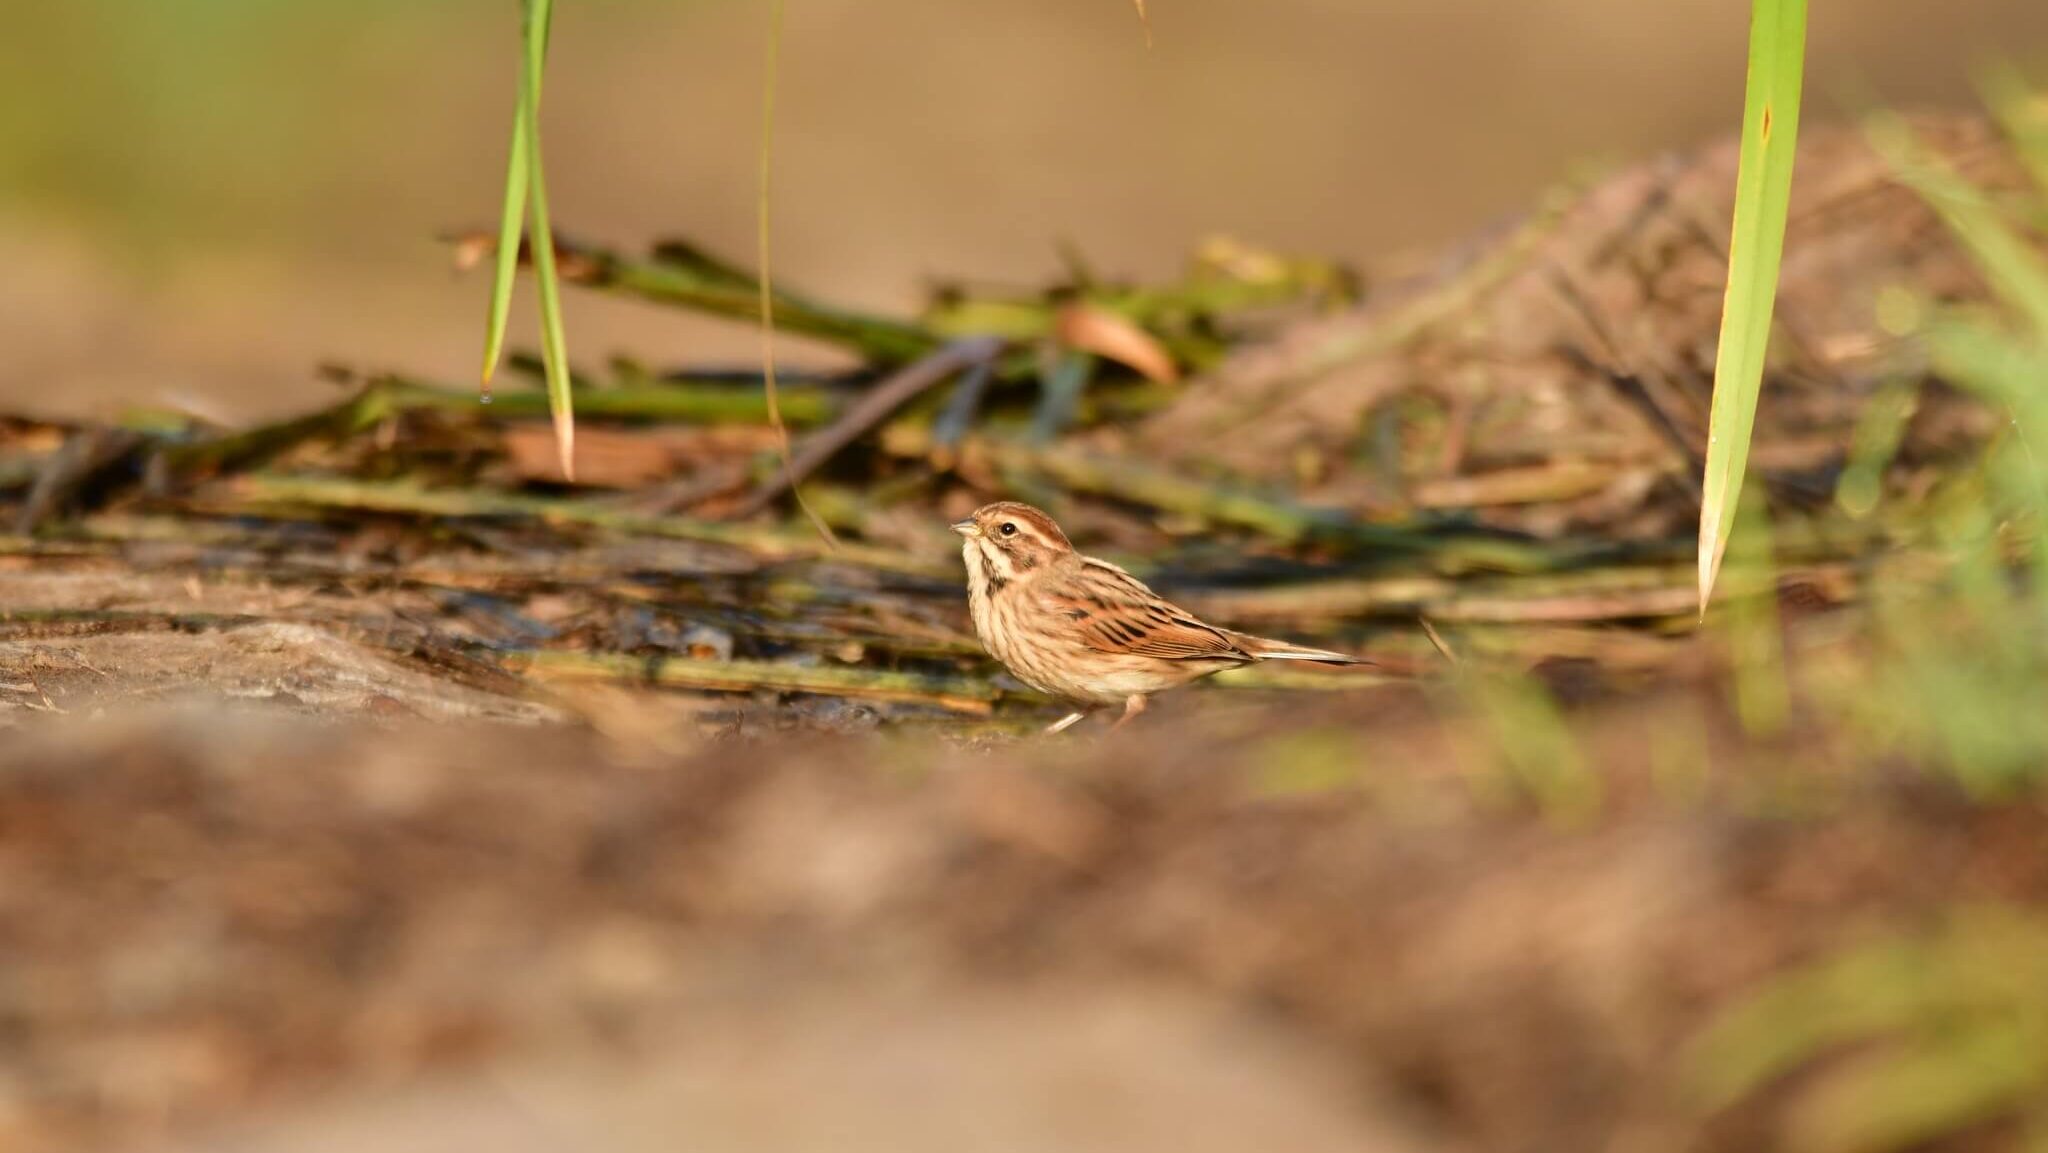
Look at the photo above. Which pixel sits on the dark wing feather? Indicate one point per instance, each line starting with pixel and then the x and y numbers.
pixel 1113 612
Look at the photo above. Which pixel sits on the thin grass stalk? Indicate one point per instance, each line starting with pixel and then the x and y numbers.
pixel 770 71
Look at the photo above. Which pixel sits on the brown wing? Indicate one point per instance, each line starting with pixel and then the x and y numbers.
pixel 1113 612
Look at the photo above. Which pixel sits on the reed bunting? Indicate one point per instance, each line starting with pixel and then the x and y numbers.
pixel 1085 630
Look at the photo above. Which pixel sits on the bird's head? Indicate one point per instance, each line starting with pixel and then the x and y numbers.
pixel 1008 541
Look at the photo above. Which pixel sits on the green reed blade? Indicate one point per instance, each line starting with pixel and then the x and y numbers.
pixel 509 230
pixel 512 215
pixel 553 342
pixel 1763 191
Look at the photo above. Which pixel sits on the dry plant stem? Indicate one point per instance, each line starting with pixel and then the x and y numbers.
pixel 875 339
pixel 52 624
pixel 677 402
pixel 1436 641
pixel 1066 722
pixel 954 694
pixel 960 409
pixel 1587 594
pixel 254 446
pixel 260 491
pixel 873 408
pixel 69 469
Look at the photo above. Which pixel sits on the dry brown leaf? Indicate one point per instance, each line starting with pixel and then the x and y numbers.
pixel 469 249
pixel 1106 334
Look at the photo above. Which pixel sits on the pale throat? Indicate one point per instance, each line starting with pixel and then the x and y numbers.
pixel 987 566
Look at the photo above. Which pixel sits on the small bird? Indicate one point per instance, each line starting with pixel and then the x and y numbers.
pixel 1085 630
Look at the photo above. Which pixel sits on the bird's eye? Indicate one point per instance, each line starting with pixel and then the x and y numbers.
pixel 1009 529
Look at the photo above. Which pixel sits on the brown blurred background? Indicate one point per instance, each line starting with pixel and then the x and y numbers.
pixel 200 200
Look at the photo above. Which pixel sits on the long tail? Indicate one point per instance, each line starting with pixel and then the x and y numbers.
pixel 1267 649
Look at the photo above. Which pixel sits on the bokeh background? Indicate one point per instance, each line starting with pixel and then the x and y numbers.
pixel 201 200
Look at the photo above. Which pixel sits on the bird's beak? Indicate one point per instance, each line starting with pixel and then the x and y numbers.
pixel 966 528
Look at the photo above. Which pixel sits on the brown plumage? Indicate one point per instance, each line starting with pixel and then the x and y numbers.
pixel 1085 630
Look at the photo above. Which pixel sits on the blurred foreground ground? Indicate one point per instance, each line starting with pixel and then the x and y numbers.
pixel 280 935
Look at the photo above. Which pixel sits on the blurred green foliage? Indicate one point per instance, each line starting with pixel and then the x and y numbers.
pixel 1925 1035
pixel 158 122
pixel 1920 1035
pixel 1964 666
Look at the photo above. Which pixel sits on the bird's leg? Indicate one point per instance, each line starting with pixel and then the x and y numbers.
pixel 1133 705
pixel 1061 725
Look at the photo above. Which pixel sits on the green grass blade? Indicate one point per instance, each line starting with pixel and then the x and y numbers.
pixel 1798 1017
pixel 511 217
pixel 509 230
pixel 1763 191
pixel 553 343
